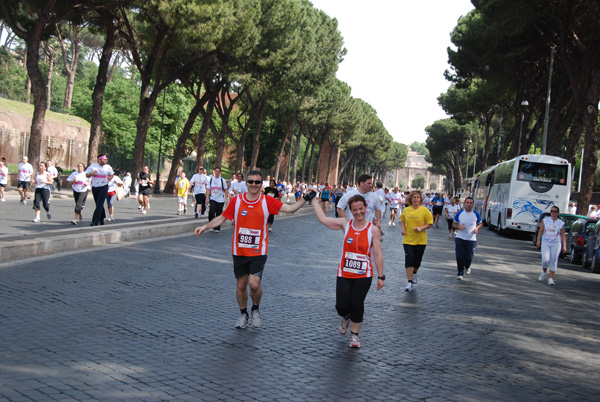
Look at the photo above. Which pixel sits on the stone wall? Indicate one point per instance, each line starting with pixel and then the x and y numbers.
pixel 63 143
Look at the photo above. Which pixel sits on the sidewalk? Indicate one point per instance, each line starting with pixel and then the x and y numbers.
pixel 21 238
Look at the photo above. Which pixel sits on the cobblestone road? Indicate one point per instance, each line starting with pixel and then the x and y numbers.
pixel 154 320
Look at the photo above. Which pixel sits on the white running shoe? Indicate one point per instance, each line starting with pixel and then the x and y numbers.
pixel 74 222
pixel 256 320
pixel 354 341
pixel 542 277
pixel 344 325
pixel 242 321
pixel 393 223
pixel 408 287
pixel 24 202
pixel 36 220
pixel 468 271
pixel 459 277
pixel 550 282
pixel 144 211
pixel 390 223
pixel 414 281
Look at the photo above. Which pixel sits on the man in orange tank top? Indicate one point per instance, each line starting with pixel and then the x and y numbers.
pixel 249 213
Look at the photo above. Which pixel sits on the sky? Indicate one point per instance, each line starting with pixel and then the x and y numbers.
pixel 397 57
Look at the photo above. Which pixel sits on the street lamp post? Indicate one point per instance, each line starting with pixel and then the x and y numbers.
pixel 157 189
pixel 523 105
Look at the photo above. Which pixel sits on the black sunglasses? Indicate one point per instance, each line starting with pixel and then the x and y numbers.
pixel 553 210
pixel 254 181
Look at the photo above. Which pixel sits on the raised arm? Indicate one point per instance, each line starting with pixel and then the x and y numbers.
pixel 331 223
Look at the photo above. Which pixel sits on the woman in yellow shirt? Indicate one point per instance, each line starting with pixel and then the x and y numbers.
pixel 415 220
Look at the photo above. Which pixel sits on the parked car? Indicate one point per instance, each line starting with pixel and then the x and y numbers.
pixel 595 264
pixel 568 219
pixel 581 240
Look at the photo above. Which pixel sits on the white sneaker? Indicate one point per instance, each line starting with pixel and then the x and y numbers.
pixel 550 282
pixel 459 277
pixel 450 236
pixel 414 281
pixel 144 211
pixel 24 202
pixel 468 271
pixel 542 277
pixel 36 220
pixel 3 200
pixel 110 219
pixel 408 287
pixel 354 341
pixel 344 325
pixel 242 321
pixel 393 223
pixel 390 223
pixel 256 320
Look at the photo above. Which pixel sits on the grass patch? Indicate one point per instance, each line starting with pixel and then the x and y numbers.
pixel 25 109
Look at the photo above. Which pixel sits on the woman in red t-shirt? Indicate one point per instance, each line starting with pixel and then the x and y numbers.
pixel 355 271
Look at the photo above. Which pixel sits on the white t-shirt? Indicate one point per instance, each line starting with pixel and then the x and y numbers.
pixel 381 194
pixel 452 210
pixel 200 182
pixel 101 178
pixel 112 184
pixel 394 199
pixel 552 229
pixel 470 220
pixel 238 187
pixel 25 171
pixel 40 180
pixel 80 182
pixel 373 204
pixel 53 172
pixel 217 186
pixel 3 175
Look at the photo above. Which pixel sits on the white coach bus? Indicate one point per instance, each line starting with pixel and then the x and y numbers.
pixel 512 194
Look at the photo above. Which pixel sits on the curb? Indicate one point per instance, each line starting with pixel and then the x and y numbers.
pixel 21 249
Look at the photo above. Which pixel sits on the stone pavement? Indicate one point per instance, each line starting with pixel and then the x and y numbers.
pixel 154 320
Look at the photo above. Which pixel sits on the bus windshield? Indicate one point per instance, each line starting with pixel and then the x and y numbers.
pixel 542 173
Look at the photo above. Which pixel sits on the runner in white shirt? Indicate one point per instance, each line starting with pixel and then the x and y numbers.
pixel 365 187
pixel 468 223
pixel 451 210
pixel 3 180
pixel 43 182
pixel 238 186
pixel 80 183
pixel 24 183
pixel 100 174
pixel 216 194
pixel 53 172
pixel 553 230
pixel 200 182
pixel 394 200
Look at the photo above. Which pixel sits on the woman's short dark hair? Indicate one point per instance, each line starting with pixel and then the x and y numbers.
pixel 356 198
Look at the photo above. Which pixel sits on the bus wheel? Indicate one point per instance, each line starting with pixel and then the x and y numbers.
pixel 489 223
pixel 499 227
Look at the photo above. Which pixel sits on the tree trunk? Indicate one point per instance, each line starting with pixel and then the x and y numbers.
pixel 305 158
pixel 256 138
pixel 286 134
pixel 312 160
pixel 296 155
pixel 40 100
pixel 206 119
pixel 332 148
pixel 98 94
pixel 70 68
pixel 50 54
pixel 180 147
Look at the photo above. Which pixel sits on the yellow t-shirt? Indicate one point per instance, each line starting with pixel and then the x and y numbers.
pixel 413 218
pixel 182 187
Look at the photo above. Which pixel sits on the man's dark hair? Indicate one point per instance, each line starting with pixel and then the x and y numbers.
pixel 469 198
pixel 255 173
pixel 363 178
pixel 379 184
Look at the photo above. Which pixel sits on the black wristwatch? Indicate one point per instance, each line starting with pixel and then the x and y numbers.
pixel 381 277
